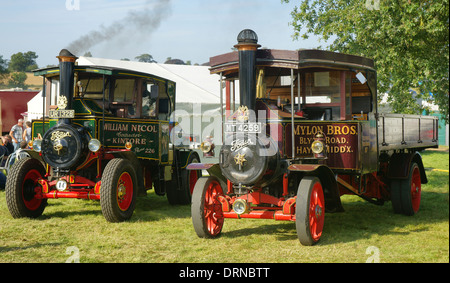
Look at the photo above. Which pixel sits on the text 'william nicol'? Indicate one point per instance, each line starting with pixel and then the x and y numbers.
pixel 235 272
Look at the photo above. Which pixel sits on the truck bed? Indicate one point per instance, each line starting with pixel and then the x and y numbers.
pixel 403 131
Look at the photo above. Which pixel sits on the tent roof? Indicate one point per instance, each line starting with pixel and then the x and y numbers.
pixel 195 84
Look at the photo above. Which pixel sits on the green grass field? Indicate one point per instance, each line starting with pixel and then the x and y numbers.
pixel 160 233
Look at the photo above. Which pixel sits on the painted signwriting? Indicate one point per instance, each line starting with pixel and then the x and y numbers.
pixel 144 136
pixel 341 141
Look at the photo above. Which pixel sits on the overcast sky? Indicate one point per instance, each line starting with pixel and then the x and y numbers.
pixel 192 30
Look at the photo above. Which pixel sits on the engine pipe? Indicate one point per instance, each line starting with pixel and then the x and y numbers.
pixel 66 83
pixel 247 46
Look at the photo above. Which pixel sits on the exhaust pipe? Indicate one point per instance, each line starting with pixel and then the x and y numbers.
pixel 66 83
pixel 247 47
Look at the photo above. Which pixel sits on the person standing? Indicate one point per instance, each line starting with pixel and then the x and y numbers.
pixel 27 133
pixel 16 134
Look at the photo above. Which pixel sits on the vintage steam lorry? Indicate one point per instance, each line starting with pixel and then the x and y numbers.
pixel 107 138
pixel 307 131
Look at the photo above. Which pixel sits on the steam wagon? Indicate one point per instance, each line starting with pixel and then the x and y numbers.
pixel 307 131
pixel 105 136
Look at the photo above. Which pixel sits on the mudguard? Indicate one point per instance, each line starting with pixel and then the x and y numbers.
pixel 130 156
pixel 184 157
pixel 328 180
pixel 400 165
pixel 212 168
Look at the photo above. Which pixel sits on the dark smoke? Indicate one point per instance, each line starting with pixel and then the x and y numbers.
pixel 142 21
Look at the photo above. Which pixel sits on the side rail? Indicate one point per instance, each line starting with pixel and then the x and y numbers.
pixel 402 131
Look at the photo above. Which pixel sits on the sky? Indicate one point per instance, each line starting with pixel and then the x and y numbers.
pixel 192 30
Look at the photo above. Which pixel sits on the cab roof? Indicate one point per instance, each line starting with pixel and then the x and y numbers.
pixel 229 63
pixel 110 71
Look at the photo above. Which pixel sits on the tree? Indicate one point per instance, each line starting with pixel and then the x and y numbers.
pixel 147 58
pixel 407 39
pixel 18 80
pixel 3 66
pixel 23 62
pixel 174 61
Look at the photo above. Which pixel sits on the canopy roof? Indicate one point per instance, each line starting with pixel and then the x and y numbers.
pixel 194 84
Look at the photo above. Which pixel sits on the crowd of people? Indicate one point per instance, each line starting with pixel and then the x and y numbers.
pixel 17 138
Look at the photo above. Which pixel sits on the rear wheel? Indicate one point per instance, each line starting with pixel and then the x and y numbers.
pixel 396 196
pixel 20 189
pixel 309 211
pixel 406 194
pixel 118 190
pixel 206 209
pixel 412 191
pixel 183 195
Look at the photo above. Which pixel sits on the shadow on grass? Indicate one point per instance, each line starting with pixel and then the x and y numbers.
pixel 360 220
pixel 37 245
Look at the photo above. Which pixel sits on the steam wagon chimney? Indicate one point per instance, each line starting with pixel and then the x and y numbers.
pixel 66 83
pixel 247 46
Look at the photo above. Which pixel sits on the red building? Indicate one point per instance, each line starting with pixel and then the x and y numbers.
pixel 13 104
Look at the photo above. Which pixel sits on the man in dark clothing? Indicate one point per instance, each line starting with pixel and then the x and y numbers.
pixel 6 141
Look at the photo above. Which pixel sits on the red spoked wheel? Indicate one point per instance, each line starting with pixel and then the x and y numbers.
pixel 20 189
pixel 310 211
pixel 411 191
pixel 206 210
pixel 118 190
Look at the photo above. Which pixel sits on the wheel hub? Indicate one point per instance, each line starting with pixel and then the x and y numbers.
pixel 318 211
pixel 121 191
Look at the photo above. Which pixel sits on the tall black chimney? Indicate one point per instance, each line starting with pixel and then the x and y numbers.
pixel 247 46
pixel 66 83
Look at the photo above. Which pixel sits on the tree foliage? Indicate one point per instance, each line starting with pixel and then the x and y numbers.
pixel 147 58
pixel 18 79
pixel 3 66
pixel 23 62
pixel 407 39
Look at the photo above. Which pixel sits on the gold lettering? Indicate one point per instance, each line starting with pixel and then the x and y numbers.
pixel 345 130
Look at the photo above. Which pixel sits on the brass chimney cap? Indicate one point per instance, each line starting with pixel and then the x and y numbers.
pixel 66 56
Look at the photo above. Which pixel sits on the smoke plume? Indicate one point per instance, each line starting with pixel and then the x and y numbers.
pixel 142 21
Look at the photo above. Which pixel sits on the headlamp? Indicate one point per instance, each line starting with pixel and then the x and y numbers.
pixel 240 206
pixel 317 147
pixel 205 146
pixel 94 145
pixel 37 145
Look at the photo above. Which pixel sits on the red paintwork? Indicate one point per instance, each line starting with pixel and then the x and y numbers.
pixel 199 166
pixel 13 104
pixel 80 187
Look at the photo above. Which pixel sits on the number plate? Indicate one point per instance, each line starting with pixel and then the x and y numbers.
pixel 254 128
pixel 61 114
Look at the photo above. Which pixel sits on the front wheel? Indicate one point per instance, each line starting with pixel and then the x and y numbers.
pixel 118 190
pixel 21 186
pixel 206 209
pixel 309 211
